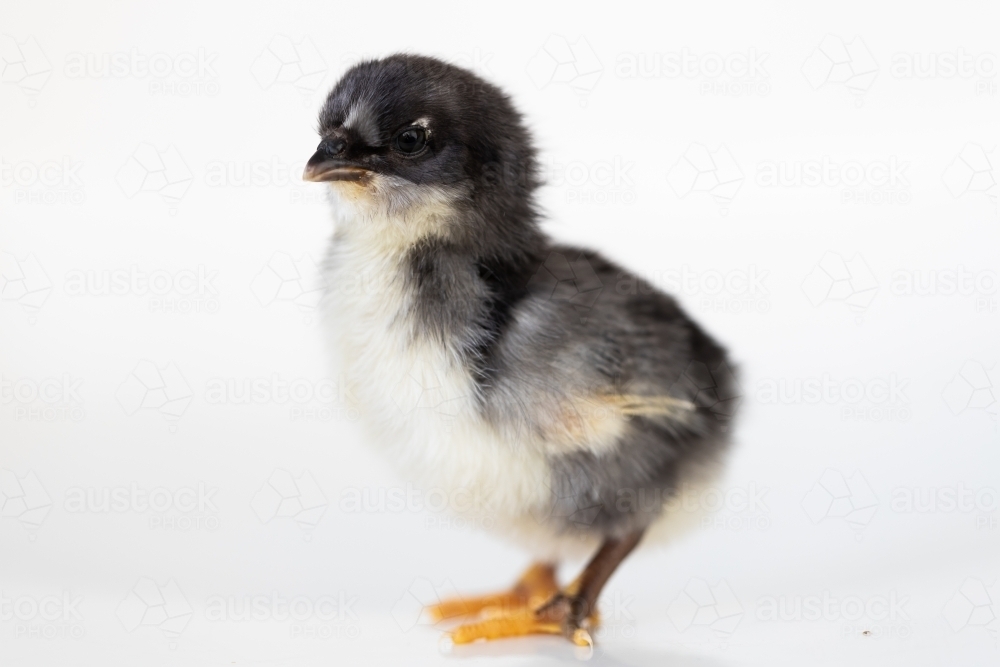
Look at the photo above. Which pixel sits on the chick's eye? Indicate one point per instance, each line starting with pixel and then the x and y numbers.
pixel 411 140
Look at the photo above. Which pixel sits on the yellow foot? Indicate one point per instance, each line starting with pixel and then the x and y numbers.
pixel 560 615
pixel 534 587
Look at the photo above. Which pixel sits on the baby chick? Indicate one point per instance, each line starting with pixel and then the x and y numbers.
pixel 532 383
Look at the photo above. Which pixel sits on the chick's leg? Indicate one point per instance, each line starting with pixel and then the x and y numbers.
pixel 571 611
pixel 535 586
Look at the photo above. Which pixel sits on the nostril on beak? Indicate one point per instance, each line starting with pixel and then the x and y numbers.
pixel 330 163
pixel 333 147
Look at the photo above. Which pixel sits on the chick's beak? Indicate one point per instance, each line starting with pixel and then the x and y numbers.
pixel 326 164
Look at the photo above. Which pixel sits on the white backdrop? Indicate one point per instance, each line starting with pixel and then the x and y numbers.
pixel 819 187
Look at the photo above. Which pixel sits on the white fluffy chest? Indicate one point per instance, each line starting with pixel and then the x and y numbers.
pixel 414 392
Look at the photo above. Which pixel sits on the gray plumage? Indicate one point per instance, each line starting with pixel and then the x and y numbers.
pixel 556 341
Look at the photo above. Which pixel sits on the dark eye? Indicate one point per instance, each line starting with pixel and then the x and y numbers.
pixel 411 140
